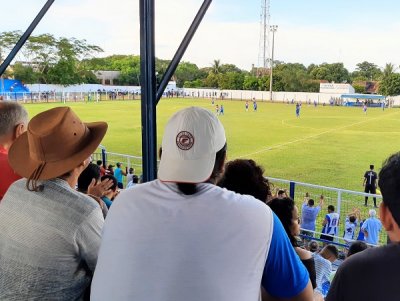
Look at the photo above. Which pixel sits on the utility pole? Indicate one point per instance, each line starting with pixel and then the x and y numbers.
pixel 273 29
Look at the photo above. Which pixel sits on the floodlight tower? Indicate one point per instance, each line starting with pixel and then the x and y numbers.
pixel 263 53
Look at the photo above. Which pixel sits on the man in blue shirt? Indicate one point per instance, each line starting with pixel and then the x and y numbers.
pixel 118 173
pixel 371 228
pixel 309 214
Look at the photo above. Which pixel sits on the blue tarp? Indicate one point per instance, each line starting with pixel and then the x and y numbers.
pixel 362 96
pixel 13 86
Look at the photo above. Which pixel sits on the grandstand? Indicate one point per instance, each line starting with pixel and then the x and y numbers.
pixel 12 88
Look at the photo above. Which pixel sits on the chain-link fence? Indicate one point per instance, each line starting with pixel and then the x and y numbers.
pixel 344 201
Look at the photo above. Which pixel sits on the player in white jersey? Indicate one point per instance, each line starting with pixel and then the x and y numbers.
pixel 331 223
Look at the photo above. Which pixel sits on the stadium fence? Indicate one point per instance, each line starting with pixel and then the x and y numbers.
pixel 345 201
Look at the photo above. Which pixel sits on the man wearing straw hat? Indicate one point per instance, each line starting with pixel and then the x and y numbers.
pixel 50 233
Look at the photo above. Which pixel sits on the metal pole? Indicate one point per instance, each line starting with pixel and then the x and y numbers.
pixel 24 37
pixel 182 48
pixel 273 29
pixel 148 90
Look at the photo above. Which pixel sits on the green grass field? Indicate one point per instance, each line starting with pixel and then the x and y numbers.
pixel 331 146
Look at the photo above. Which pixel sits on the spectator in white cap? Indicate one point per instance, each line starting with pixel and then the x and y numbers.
pixel 182 238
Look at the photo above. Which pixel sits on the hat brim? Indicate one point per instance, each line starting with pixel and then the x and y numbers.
pixel 24 165
pixel 186 171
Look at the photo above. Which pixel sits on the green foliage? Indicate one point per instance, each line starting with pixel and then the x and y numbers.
pixel 50 60
pixel 390 85
pixel 187 72
pixel 359 88
pixel 251 82
pixel 367 70
pixel 26 74
pixel 335 72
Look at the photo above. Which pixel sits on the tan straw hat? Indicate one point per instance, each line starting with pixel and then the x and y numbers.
pixel 56 142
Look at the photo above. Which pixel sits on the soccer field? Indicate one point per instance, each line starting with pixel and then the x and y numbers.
pixel 331 146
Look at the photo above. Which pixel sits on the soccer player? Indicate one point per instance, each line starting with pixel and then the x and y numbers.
pixel 247 105
pixel 350 226
pixel 370 180
pixel 297 110
pixel 330 224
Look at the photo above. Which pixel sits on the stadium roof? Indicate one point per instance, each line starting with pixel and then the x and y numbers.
pixel 363 96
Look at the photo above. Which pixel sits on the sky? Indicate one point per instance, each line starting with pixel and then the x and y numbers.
pixel 309 31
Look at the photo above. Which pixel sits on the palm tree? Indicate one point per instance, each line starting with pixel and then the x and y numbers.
pixel 388 70
pixel 216 67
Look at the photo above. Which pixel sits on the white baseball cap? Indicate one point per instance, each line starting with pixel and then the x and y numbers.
pixel 191 140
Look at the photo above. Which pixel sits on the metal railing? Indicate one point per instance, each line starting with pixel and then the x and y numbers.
pixel 344 200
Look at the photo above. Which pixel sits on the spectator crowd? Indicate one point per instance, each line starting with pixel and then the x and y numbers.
pixel 206 229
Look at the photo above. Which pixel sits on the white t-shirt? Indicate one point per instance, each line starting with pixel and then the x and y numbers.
pixel 349 230
pixel 332 224
pixel 159 244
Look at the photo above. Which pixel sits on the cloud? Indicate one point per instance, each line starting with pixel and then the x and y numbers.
pixel 114 26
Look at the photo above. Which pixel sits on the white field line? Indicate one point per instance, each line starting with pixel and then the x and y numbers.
pixel 310 137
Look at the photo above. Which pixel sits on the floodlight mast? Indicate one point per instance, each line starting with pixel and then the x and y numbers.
pixel 273 29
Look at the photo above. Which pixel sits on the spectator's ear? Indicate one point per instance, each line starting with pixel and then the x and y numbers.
pixel 386 218
pixel 20 128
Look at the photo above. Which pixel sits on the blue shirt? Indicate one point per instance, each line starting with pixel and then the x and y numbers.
pixel 118 174
pixel 106 201
pixel 309 215
pixel 360 233
pixel 372 225
pixel 292 277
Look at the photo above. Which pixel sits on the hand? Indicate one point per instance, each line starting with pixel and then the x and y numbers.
pixel 101 188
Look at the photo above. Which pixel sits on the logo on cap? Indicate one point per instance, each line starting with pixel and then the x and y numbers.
pixel 184 140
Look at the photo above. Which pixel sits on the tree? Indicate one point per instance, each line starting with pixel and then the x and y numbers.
pixel 231 81
pixel 250 82
pixel 390 85
pixel 216 67
pixel 25 74
pixel 367 70
pixel 186 72
pixel 388 70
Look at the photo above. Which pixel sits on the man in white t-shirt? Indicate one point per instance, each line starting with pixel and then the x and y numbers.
pixel 183 238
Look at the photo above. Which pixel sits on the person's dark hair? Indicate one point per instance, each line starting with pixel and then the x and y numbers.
pixel 371 166
pixel 313 246
pixel 245 177
pixel 356 247
pixel 191 188
pixel 99 162
pixel 92 171
pixel 352 218
pixel 334 251
pixel 114 179
pixel 331 208
pixel 135 179
pixel 281 191
pixel 283 208
pixel 311 202
pixel 389 179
